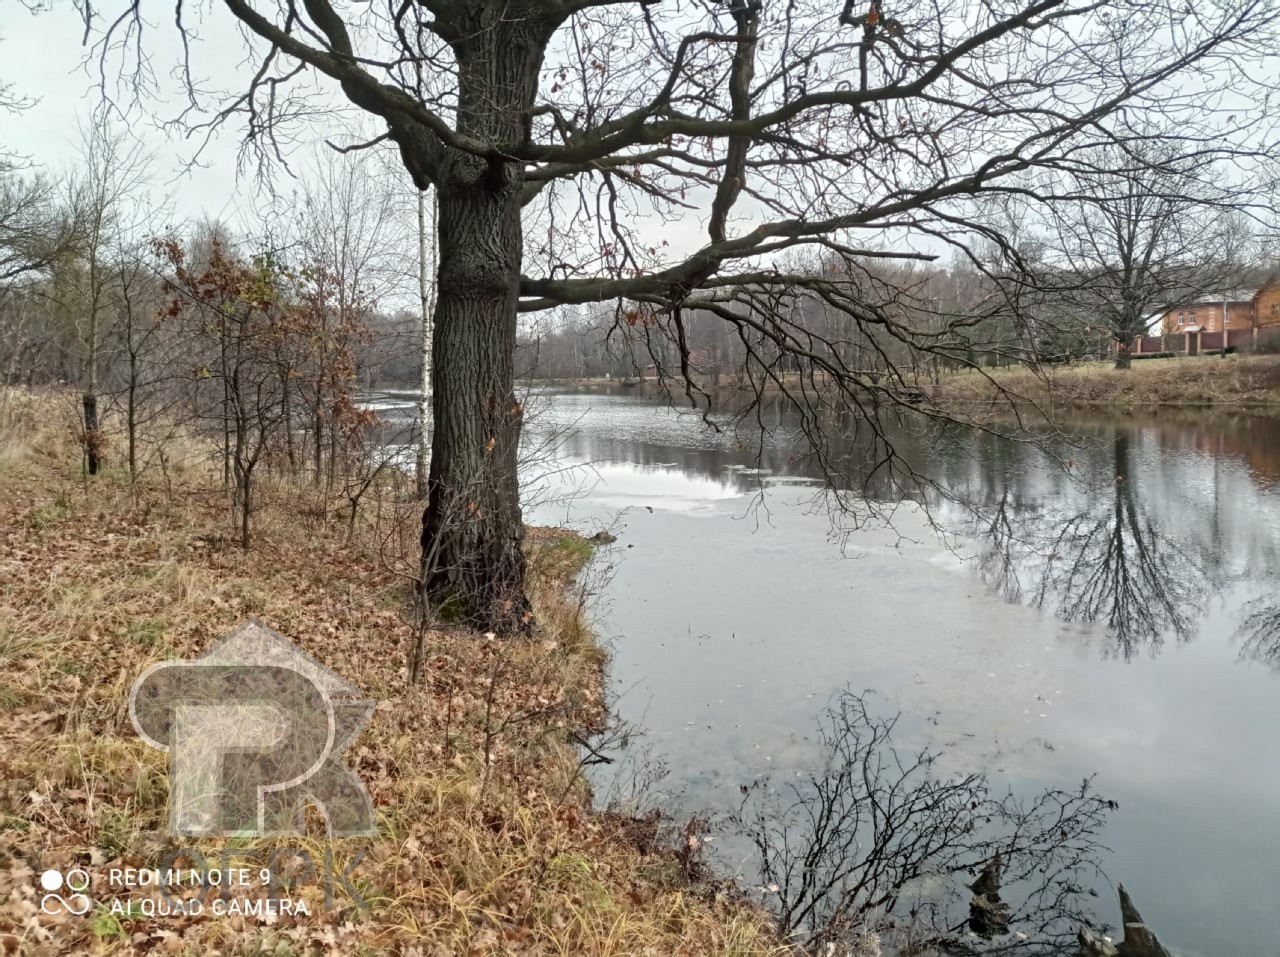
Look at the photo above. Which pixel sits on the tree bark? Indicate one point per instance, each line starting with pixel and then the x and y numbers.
pixel 1130 324
pixel 1129 329
pixel 131 417
pixel 286 401
pixel 472 527
pixel 317 444
pixel 473 531
pixel 91 435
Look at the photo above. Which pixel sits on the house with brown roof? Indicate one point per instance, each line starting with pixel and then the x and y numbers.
pixel 1233 310
pixel 1229 310
pixel 1238 318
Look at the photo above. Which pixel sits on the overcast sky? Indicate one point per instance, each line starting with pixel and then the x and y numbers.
pixel 41 56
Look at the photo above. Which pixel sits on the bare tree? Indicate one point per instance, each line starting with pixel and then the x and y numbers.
pixel 36 229
pixel 571 141
pixel 113 171
pixel 1143 221
pixel 237 314
pixel 351 236
pixel 139 341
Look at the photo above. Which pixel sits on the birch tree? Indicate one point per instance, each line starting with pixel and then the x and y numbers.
pixel 426 292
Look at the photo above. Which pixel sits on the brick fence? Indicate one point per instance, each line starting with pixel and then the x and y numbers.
pixel 1194 343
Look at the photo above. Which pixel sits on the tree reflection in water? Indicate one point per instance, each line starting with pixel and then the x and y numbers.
pixel 878 841
pixel 1259 632
pixel 1107 562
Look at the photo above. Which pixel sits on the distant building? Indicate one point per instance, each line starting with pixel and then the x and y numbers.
pixel 1266 304
pixel 1235 318
pixel 1230 310
pixel 700 361
pixel 1238 308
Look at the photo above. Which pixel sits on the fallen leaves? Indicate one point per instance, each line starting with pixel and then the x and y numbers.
pixel 487 843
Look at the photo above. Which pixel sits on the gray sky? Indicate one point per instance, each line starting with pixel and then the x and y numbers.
pixel 42 57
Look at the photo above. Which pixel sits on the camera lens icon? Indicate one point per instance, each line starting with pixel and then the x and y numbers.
pixel 76 881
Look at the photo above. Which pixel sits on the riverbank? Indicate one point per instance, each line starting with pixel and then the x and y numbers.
pixel 486 839
pixel 1236 381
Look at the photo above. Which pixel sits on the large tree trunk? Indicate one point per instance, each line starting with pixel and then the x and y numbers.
pixel 472 532
pixel 1130 327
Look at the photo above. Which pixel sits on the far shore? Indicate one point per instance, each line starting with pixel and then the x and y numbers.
pixel 1233 381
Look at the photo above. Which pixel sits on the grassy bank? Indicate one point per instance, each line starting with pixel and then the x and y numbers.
pixel 1236 381
pixel 486 840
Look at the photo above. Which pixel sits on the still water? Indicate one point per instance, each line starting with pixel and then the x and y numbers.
pixel 1099 604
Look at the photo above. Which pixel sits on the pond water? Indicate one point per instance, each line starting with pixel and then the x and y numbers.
pixel 1102 603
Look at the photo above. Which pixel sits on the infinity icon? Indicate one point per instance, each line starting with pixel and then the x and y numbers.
pixel 76 880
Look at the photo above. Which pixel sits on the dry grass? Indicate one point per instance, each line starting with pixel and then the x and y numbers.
pixel 486 841
pixel 1240 381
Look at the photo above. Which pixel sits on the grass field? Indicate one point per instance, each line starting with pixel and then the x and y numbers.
pixel 1236 380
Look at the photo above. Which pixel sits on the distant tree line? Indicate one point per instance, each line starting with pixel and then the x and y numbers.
pixel 1074 309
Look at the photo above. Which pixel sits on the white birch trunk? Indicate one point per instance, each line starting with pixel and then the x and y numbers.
pixel 426 287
